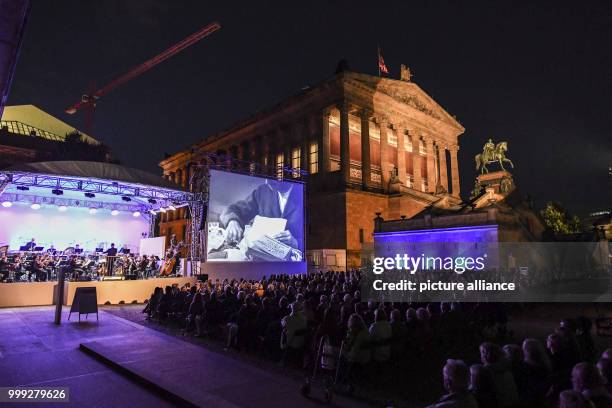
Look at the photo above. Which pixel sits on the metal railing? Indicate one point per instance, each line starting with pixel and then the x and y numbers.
pixel 20 128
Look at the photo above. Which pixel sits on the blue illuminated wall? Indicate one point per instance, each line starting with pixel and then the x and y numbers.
pixel 487 233
pixel 442 242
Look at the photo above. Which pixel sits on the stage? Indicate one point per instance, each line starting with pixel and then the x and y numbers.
pixel 113 292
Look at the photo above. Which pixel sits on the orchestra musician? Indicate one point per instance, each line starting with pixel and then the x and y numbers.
pixel 51 250
pixel 111 253
pixel 30 245
pixel 4 268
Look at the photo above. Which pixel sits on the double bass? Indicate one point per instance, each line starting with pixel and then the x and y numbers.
pixel 171 259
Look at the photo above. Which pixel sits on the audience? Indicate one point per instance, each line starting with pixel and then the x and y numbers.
pixel 310 319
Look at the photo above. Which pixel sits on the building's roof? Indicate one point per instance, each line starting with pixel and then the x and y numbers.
pixel 423 103
pixel 94 170
pixel 23 119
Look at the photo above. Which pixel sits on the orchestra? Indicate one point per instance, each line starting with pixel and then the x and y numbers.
pixel 35 264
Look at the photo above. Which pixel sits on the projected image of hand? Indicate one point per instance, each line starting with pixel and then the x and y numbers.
pixel 286 238
pixel 234 231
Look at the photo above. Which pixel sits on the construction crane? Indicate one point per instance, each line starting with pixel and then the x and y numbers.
pixel 89 100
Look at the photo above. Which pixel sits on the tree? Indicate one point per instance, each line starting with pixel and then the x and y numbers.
pixel 558 220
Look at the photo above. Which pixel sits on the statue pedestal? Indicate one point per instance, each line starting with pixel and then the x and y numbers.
pixel 501 181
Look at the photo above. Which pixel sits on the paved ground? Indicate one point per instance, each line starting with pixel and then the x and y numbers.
pixel 36 352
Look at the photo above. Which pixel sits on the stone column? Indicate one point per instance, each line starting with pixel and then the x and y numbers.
pixel 304 138
pixel 324 142
pixel 442 161
pixel 417 182
pixel 454 170
pixel 264 148
pixel 431 168
pixel 401 155
pixel 366 177
pixel 345 160
pixel 384 154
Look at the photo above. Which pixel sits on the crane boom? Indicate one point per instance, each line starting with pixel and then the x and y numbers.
pixel 89 100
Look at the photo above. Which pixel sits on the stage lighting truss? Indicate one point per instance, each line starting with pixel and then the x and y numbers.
pixel 70 203
pixel 129 191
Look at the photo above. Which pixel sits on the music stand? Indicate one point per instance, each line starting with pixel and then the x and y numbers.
pixel 38 249
pixel 124 251
pixel 78 251
pixel 24 248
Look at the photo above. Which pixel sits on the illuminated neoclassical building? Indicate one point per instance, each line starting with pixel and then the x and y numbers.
pixel 370 144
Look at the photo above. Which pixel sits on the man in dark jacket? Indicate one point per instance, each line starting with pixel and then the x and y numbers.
pixel 274 199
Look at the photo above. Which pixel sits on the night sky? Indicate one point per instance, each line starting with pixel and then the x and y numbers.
pixel 538 76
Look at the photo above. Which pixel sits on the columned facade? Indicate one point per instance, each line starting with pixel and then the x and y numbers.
pixel 350 132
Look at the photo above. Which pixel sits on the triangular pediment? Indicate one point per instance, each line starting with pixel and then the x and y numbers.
pixel 407 93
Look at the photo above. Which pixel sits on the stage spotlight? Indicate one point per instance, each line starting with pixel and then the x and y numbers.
pixel 152 201
pixel 126 198
pixel 93 210
pixel 136 213
pixel 35 206
pixel 57 191
pixel 7 204
pixel 152 212
pixel 162 209
pixel 62 208
pixel 171 207
pixel 23 188
pixel 114 212
pixel 90 195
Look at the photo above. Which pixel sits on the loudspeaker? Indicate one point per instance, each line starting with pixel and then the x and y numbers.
pixel 202 277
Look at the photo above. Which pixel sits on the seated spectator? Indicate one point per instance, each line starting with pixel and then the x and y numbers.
pixel 482 386
pixel 562 360
pixel 587 380
pixel 380 337
pixel 505 388
pixel 605 368
pixel 514 355
pixel 573 399
pixel 293 326
pixel 399 334
pixel 455 376
pixel 357 341
pixel 328 328
pixel 584 338
pixel 537 372
pixel 196 309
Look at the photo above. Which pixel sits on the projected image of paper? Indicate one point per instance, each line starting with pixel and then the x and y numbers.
pixel 266 226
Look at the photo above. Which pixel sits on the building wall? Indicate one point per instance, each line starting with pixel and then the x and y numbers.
pixel 407 134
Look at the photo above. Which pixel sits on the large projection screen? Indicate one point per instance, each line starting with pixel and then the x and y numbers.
pixel 254 219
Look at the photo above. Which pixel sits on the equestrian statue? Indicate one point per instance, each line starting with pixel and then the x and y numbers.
pixel 492 153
